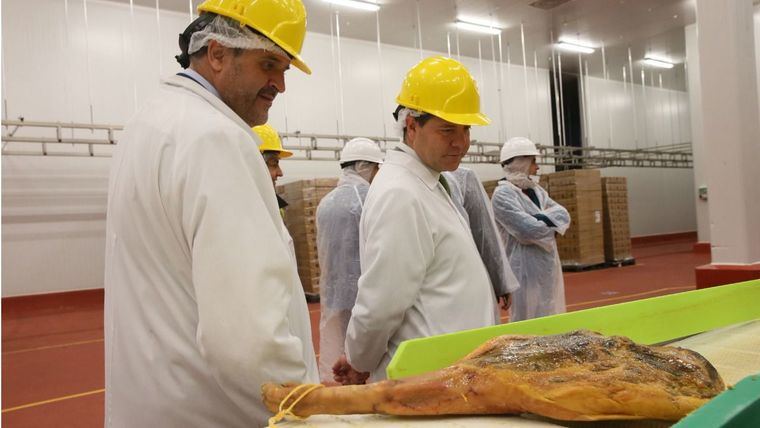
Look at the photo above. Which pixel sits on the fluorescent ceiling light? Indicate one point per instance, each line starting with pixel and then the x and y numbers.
pixel 478 28
pixel 658 62
pixel 574 47
pixel 356 4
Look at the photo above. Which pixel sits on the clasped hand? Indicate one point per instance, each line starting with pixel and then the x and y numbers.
pixel 344 374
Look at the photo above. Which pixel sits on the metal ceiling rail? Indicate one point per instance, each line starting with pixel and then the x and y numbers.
pixel 43 137
pixel 593 157
pixel 327 147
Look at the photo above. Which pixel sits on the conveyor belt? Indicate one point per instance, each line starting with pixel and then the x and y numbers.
pixel 733 350
pixel 646 321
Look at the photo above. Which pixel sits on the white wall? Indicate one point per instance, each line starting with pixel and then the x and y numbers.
pixel 659 198
pixel 57 66
pixel 53 233
pixel 757 46
pixel 698 144
pixel 661 116
pixel 730 112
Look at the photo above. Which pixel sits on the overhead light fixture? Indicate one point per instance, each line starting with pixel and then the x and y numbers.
pixel 477 27
pixel 356 4
pixel 654 62
pixel 574 47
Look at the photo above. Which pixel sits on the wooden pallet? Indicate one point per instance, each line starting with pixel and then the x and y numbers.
pixel 312 297
pixel 628 261
pixel 578 267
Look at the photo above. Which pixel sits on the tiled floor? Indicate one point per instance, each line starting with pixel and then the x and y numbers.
pixel 52 346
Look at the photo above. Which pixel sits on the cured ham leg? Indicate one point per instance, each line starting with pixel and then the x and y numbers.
pixel 579 375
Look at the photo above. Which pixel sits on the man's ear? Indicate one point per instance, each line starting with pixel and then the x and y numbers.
pixel 411 128
pixel 215 54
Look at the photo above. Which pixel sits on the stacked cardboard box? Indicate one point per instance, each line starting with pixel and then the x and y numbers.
pixel 490 186
pixel 580 192
pixel 300 218
pixel 617 233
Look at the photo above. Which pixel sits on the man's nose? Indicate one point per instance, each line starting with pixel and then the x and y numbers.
pixel 277 81
pixel 461 139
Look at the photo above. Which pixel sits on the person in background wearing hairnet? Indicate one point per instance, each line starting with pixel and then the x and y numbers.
pixel 203 300
pixel 272 151
pixel 528 220
pixel 471 199
pixel 421 271
pixel 338 217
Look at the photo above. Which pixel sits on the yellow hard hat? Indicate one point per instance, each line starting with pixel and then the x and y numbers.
pixel 270 141
pixel 443 87
pixel 281 21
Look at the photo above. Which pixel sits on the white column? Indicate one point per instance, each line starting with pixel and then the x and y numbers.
pixel 731 132
pixel 697 142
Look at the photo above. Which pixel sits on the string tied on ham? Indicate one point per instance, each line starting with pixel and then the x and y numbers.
pixel 283 413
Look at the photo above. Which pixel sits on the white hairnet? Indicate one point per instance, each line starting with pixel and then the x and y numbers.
pixel 401 122
pixel 518 172
pixel 231 34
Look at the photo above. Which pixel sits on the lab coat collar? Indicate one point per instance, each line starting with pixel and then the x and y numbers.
pixel 194 75
pixel 408 158
pixel 189 85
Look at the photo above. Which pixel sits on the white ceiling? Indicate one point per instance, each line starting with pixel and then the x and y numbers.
pixel 646 26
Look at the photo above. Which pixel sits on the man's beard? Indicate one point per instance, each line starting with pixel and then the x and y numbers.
pixel 243 102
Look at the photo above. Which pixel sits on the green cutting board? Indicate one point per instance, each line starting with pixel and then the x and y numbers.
pixel 647 321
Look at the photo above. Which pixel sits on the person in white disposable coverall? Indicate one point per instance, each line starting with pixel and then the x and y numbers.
pixel 528 220
pixel 338 217
pixel 471 199
pixel 203 301
pixel 421 271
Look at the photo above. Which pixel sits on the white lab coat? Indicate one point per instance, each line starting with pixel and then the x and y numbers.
pixel 421 272
pixel 532 249
pixel 203 300
pixel 338 218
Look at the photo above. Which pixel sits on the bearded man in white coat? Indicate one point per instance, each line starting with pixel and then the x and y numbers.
pixel 422 274
pixel 203 300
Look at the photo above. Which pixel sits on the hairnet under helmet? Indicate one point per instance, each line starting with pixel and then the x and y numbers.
pixel 229 33
pixel 400 116
pixel 281 21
